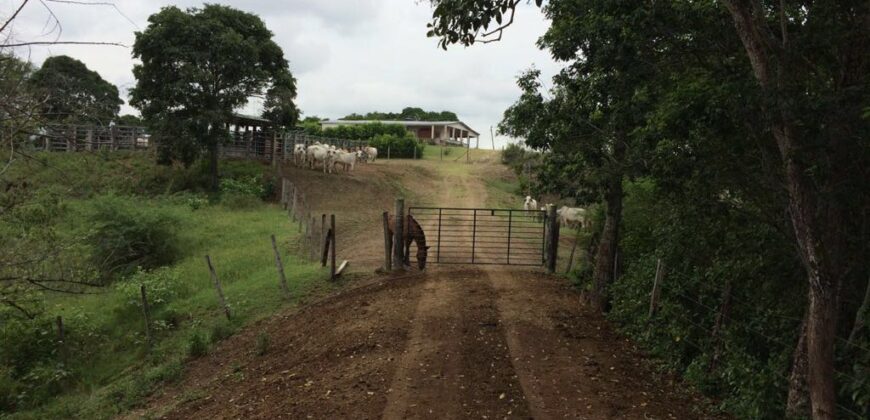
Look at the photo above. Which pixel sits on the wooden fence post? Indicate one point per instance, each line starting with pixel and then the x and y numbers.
pixel 324 253
pixel 217 286
pixel 332 247
pixel 312 243
pixel 388 244
pixel 388 152
pixel 146 312
pixel 573 248
pixel 61 337
pixel 552 238
pixel 294 207
pixel 398 234
pixel 323 234
pixel 280 266
pixel 657 286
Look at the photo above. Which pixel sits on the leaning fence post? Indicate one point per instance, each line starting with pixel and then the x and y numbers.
pixel 217 286
pixel 657 286
pixel 388 243
pixel 146 312
pixel 332 247
pixel 552 238
pixel 398 234
pixel 280 266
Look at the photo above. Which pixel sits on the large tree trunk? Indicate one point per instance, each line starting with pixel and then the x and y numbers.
pixel 602 276
pixel 798 405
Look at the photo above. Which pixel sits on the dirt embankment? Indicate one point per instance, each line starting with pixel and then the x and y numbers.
pixel 451 343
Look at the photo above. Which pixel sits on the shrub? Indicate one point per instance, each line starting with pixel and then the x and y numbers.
pixel 242 193
pixel 220 332
pixel 196 345
pixel 161 286
pixel 127 236
pixel 405 146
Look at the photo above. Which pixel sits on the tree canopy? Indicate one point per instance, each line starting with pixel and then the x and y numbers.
pixel 200 64
pixel 73 93
pixel 722 115
pixel 407 114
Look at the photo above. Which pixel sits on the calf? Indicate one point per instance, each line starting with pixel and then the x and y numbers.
pixel 346 159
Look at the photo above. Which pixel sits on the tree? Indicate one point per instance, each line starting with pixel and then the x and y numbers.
pixel 74 93
pixel 198 65
pixel 810 61
pixel 279 106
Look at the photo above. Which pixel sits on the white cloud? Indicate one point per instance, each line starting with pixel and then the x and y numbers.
pixel 348 56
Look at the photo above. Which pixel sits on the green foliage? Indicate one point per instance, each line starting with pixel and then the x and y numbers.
pixel 220 332
pixel 196 345
pixel 241 193
pixel 128 119
pixel 364 131
pixel 406 146
pixel 74 93
pixel 186 108
pixel 407 114
pixel 162 286
pixel 126 236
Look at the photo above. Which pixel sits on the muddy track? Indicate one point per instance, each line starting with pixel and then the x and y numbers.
pixel 466 342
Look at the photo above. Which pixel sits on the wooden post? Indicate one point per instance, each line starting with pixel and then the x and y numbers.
pixel 657 286
pixel 323 234
pixel 217 286
pixel 274 148
pixel 415 152
pixel 61 337
pixel 146 312
pixel 398 234
pixel 113 141
pixel 552 238
pixel 573 248
pixel 295 204
pixel 280 266
pixel 324 253
pixel 332 247
pixel 388 243
pixel 388 152
pixel 442 152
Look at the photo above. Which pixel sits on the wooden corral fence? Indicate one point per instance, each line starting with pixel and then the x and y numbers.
pixel 266 145
pixel 76 138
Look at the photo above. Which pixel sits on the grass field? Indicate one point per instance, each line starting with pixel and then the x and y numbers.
pixel 106 366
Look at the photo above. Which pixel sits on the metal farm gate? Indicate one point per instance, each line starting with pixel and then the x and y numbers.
pixel 483 236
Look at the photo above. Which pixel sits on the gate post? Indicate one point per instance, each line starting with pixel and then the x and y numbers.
pixel 399 235
pixel 552 238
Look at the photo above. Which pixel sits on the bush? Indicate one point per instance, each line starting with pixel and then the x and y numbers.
pixel 405 146
pixel 196 345
pixel 127 236
pixel 242 193
pixel 220 332
pixel 162 285
pixel 263 341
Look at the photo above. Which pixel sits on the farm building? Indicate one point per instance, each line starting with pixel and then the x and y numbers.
pixel 435 132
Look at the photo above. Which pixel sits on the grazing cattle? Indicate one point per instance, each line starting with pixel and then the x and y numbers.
pixel 317 153
pixel 371 153
pixel 530 203
pixel 572 216
pixel 346 159
pixel 413 232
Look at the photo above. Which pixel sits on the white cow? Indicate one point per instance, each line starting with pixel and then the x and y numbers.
pixel 371 153
pixel 317 153
pixel 299 154
pixel 572 216
pixel 530 203
pixel 346 159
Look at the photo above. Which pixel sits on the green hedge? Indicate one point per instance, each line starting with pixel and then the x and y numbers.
pixel 405 146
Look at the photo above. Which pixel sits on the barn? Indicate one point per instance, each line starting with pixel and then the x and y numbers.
pixel 435 132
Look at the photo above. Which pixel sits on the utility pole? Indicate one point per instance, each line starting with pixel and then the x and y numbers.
pixel 492 137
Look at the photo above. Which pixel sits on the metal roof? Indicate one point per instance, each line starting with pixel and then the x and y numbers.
pixel 405 123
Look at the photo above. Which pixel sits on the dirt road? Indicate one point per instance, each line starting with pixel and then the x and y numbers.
pixel 451 343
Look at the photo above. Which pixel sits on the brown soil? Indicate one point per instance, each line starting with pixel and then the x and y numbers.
pixel 449 343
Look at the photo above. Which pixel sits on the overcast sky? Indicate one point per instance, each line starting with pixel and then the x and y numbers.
pixel 347 55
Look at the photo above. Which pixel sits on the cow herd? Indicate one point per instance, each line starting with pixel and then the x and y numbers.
pixel 574 217
pixel 327 156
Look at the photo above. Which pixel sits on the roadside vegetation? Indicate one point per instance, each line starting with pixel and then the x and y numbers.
pixel 126 223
